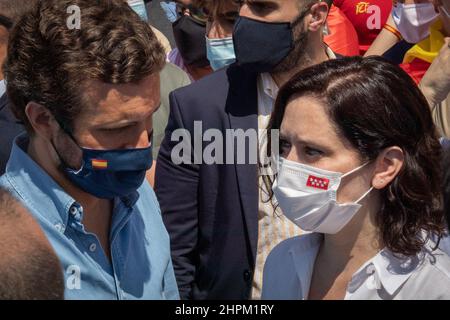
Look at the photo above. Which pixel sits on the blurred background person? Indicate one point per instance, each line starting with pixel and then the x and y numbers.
pixel 426 36
pixel 340 34
pixel 368 17
pixel 29 268
pixel 412 37
pixel 436 83
pixel 10 12
pixel 222 15
pixel 365 180
pixel 189 32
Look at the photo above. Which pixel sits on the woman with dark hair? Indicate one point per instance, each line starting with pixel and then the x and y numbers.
pixel 360 170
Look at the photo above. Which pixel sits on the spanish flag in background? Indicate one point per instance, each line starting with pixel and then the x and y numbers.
pixel 98 164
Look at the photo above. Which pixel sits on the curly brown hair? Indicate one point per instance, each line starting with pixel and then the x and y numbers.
pixel 375 105
pixel 51 64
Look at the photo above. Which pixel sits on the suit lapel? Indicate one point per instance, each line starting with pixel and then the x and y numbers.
pixel 242 110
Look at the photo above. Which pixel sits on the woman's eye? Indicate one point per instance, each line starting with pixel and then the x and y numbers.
pixel 285 146
pixel 311 152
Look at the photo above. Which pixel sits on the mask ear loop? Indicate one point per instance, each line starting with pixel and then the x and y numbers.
pixel 63 162
pixel 364 195
pixel 354 170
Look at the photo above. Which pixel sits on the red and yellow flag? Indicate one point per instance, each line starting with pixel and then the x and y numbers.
pixel 99 164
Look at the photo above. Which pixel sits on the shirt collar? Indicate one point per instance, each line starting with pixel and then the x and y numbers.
pixel 2 87
pixel 39 190
pixel 393 271
pixel 389 270
pixel 35 186
pixel 268 85
pixel 330 53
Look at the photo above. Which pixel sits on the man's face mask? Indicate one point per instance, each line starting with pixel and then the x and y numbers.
pixel 108 174
pixel 413 21
pixel 220 52
pixel 189 33
pixel 261 46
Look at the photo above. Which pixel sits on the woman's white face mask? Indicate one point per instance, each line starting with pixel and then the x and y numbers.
pixel 307 196
pixel 413 21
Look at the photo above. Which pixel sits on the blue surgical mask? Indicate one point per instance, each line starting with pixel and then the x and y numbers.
pixel 108 174
pixel 139 7
pixel 220 52
pixel 170 9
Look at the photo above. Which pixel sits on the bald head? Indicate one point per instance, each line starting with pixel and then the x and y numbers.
pixel 29 268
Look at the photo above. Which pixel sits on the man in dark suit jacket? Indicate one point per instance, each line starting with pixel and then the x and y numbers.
pixel 10 13
pixel 9 129
pixel 211 210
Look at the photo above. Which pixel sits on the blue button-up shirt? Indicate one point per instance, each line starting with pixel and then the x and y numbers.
pixel 140 266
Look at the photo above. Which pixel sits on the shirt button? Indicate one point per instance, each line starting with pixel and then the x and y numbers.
pixel 92 247
pixel 73 211
pixel 59 227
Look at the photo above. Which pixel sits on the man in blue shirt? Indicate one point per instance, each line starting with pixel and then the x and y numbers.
pixel 83 76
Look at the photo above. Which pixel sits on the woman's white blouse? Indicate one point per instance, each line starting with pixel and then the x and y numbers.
pixel 289 268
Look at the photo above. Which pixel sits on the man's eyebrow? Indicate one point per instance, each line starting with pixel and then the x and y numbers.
pixel 129 118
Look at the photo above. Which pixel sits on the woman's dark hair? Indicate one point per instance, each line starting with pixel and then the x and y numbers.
pixel 446 182
pixel 375 105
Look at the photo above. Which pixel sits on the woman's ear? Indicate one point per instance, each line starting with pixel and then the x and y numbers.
pixel 387 166
pixel 318 16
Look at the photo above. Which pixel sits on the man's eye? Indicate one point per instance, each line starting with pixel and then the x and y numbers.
pixel 115 130
pixel 260 7
pixel 231 16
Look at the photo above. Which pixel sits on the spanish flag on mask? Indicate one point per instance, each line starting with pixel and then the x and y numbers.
pixel 98 164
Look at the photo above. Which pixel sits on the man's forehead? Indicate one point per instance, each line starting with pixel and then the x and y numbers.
pixel 122 101
pixel 97 91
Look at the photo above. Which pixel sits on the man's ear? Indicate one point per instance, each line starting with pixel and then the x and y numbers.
pixel 40 119
pixel 318 16
pixel 387 166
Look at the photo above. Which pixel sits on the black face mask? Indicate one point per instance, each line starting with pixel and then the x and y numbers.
pixel 261 46
pixel 191 43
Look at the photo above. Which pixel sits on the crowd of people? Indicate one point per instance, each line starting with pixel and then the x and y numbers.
pixel 225 149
